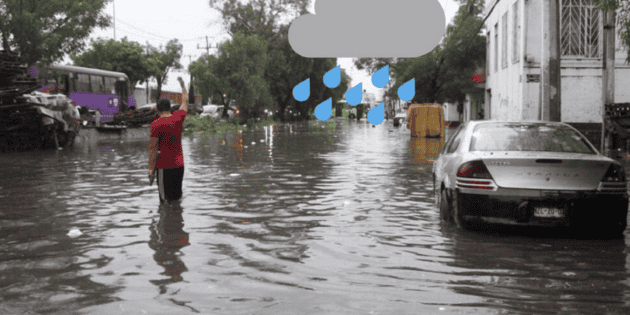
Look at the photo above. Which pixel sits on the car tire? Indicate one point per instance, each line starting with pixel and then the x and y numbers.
pixel 446 213
pixel 457 215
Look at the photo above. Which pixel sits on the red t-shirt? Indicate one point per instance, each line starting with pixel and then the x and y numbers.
pixel 169 131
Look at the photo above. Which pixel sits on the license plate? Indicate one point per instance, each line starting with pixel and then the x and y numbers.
pixel 548 212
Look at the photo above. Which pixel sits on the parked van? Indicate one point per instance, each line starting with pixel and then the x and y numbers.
pixel 426 120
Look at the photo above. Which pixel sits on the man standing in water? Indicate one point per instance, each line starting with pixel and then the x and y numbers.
pixel 166 137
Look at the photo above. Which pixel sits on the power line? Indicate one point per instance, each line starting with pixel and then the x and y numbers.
pixel 155 35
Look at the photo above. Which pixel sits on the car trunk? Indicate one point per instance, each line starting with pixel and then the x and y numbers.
pixel 545 171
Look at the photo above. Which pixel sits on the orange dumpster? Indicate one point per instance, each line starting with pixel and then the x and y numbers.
pixel 426 120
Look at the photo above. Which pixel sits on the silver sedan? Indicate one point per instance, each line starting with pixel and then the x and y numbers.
pixel 529 173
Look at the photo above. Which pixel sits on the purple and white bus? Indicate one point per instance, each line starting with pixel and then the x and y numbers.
pixel 93 88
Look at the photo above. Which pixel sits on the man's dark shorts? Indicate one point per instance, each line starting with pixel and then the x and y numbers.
pixel 169 182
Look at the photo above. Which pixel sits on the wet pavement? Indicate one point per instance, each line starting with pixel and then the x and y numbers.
pixel 289 220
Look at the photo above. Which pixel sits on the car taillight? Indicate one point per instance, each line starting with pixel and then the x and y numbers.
pixel 473 169
pixel 615 173
pixel 614 181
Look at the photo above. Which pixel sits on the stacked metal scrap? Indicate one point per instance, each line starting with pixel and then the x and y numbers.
pixel 14 78
pixel 25 125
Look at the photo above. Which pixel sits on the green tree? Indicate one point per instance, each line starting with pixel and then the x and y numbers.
pixel 259 17
pixel 444 74
pixel 237 74
pixel 47 30
pixel 164 59
pixel 124 56
pixel 200 69
pixel 286 68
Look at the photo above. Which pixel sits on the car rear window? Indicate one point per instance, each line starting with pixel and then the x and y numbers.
pixel 528 137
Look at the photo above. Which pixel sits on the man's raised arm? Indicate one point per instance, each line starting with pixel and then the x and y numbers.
pixel 184 105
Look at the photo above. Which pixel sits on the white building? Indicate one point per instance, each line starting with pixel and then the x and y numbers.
pixel 514 56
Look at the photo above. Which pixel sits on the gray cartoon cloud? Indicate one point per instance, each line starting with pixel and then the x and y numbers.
pixel 369 28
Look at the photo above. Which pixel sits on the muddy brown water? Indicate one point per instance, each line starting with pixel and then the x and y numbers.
pixel 289 220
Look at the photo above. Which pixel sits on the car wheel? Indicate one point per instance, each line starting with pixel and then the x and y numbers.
pixel 457 215
pixel 446 213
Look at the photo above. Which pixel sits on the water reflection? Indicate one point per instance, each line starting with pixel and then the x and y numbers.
pixel 513 271
pixel 422 152
pixel 340 221
pixel 167 239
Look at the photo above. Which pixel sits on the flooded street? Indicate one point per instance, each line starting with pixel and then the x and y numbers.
pixel 289 220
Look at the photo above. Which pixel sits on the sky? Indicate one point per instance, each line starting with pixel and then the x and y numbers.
pixel 158 21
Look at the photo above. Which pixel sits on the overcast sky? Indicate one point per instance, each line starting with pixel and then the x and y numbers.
pixel 158 21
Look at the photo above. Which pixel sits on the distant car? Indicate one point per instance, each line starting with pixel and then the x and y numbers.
pixel 174 105
pixel 215 111
pixel 529 173
pixel 400 119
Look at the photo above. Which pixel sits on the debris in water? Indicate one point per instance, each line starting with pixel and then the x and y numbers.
pixel 74 233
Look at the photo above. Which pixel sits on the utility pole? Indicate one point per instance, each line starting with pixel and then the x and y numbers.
pixel 208 46
pixel 550 100
pixel 608 71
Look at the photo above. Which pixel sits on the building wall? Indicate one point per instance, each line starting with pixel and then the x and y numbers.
pixel 504 82
pixel 514 98
pixel 450 112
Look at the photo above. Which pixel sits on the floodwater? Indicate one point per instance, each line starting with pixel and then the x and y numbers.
pixel 289 220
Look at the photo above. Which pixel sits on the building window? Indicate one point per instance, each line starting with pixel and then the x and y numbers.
pixel 496 47
pixel 504 37
pixel 580 29
pixel 516 30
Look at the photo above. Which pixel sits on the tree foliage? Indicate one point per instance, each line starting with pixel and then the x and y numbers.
pixel 443 75
pixel 237 74
pixel 261 17
pixel 163 60
pixel 121 56
pixel 269 20
pixel 47 30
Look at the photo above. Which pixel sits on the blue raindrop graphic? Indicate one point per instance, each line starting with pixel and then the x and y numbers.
pixel 407 90
pixel 302 91
pixel 355 95
pixel 332 78
pixel 323 111
pixel 380 78
pixel 377 114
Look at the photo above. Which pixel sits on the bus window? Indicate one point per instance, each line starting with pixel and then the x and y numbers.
pixel 97 83
pixel 83 83
pixel 110 85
